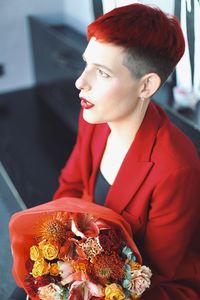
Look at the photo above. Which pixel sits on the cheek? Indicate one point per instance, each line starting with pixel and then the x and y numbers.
pixel 120 97
pixel 110 93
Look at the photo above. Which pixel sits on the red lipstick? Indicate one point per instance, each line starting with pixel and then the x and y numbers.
pixel 86 104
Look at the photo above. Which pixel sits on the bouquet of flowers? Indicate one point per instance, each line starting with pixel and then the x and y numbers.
pixel 76 250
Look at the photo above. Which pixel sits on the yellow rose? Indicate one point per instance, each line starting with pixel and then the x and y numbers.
pixel 114 292
pixel 54 270
pixel 40 268
pixel 35 253
pixel 50 251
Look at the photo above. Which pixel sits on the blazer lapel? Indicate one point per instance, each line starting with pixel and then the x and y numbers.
pixel 100 137
pixel 130 177
pixel 137 163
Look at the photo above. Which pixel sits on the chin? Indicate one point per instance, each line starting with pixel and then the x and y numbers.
pixel 92 119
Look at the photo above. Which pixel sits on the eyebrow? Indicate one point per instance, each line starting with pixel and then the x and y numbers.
pixel 99 65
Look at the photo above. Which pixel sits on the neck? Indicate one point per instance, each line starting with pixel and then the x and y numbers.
pixel 124 131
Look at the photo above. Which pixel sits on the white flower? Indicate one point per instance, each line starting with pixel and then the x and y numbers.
pixel 50 292
pixel 140 280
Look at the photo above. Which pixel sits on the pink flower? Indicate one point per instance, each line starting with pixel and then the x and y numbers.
pixel 66 270
pixel 140 280
pixel 68 274
pixel 85 290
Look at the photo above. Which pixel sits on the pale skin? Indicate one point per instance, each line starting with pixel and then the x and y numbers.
pixel 118 99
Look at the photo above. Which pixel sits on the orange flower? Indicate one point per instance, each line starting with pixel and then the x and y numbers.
pixel 54 270
pixel 134 265
pixel 105 267
pixel 52 228
pixel 80 265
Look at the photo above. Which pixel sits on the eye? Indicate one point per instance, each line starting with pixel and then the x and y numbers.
pixel 102 73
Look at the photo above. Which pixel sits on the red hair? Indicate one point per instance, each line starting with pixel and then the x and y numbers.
pixel 146 31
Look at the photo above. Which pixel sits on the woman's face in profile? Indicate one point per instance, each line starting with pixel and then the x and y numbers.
pixel 108 91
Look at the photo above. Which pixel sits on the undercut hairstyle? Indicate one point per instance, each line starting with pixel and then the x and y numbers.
pixel 152 40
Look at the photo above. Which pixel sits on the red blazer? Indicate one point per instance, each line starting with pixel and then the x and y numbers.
pixel 157 190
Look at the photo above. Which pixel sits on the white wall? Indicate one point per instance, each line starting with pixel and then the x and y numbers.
pixel 15 52
pixel 78 13
pixel 167 6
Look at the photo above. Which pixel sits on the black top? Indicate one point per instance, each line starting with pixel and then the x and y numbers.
pixel 101 189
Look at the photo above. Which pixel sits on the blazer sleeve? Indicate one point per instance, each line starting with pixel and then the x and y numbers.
pixel 70 179
pixel 171 238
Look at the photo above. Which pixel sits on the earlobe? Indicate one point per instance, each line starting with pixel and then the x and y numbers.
pixel 151 83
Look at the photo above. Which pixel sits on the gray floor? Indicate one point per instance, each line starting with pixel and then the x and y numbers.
pixel 10 202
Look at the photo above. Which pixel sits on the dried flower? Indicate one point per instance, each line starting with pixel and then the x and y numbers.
pixel 91 247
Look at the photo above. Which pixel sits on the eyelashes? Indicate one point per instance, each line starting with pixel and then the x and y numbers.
pixel 95 68
pixel 102 73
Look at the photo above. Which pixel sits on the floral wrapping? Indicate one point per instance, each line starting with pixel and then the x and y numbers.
pixel 76 250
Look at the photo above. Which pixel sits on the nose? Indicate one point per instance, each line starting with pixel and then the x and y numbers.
pixel 82 82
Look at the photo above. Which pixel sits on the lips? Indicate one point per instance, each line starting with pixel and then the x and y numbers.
pixel 86 104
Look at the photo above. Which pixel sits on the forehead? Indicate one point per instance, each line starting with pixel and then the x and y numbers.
pixel 103 53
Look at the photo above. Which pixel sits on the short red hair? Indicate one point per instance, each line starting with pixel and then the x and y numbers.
pixel 146 32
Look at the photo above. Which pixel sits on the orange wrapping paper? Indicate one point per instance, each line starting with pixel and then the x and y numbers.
pixel 22 224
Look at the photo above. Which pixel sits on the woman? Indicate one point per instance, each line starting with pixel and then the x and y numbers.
pixel 128 156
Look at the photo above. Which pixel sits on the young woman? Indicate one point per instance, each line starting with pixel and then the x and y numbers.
pixel 128 156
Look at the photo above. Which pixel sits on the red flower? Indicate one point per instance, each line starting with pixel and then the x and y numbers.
pixel 109 241
pixel 32 284
pixel 67 249
pixel 44 280
pixel 85 225
pixel 29 265
pixel 106 268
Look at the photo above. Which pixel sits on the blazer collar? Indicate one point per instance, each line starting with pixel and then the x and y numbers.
pixel 137 163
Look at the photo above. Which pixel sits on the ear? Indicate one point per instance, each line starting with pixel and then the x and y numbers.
pixel 150 84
